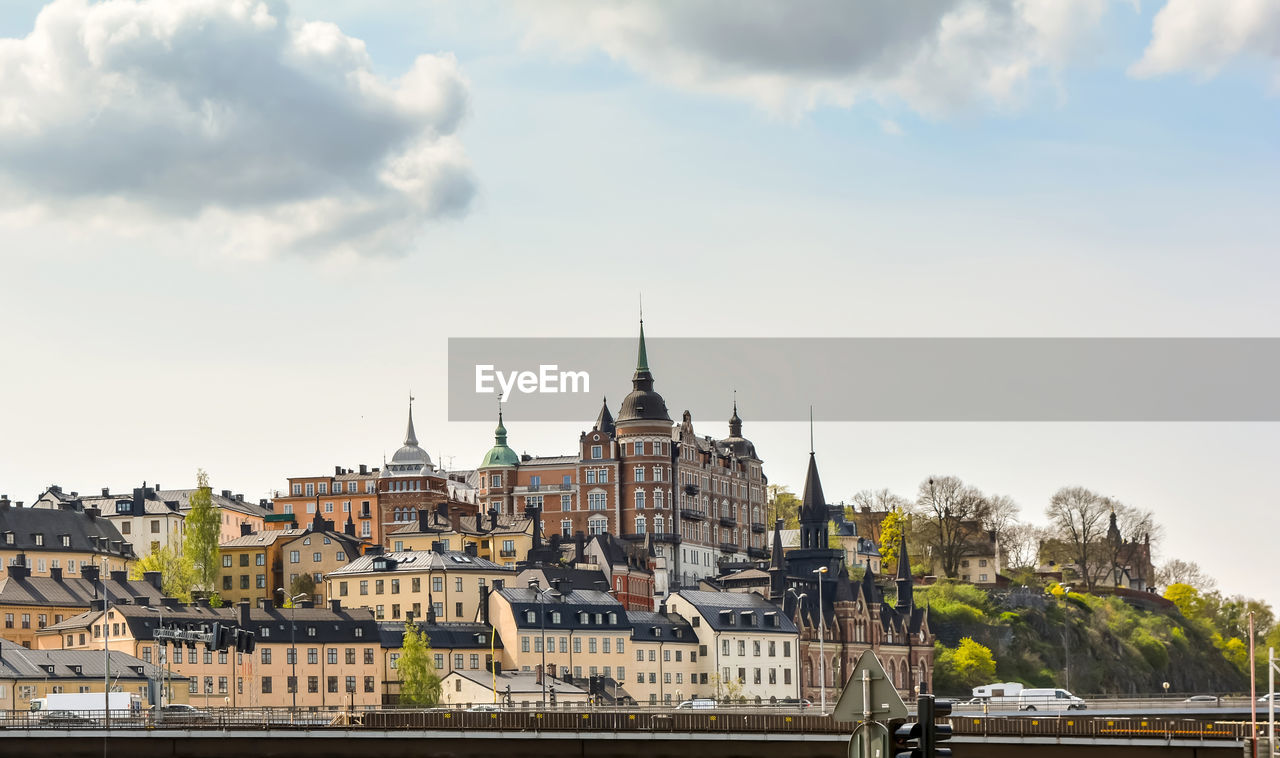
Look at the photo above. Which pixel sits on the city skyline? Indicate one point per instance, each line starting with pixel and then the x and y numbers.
pixel 1102 169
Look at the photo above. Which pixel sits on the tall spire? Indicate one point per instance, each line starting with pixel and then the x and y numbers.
pixel 410 438
pixel 810 427
pixel 735 423
pixel 906 593
pixel 500 433
pixel 642 357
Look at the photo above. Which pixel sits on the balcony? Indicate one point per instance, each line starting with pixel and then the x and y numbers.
pixel 757 552
pixel 728 547
pixel 667 537
pixel 537 488
pixel 757 528
pixel 728 521
pixel 507 553
pixel 693 514
pixel 691 489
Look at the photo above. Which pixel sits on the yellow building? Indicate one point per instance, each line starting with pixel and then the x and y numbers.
pixel 255 565
pixel 338 660
pixel 665 667
pixel 28 674
pixel 43 539
pixel 31 603
pixel 395 585
pixel 503 539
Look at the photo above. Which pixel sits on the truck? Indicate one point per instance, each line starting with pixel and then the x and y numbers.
pixel 86 706
pixel 1004 694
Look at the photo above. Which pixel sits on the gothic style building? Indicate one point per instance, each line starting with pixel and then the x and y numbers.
pixel 813 585
pixel 640 477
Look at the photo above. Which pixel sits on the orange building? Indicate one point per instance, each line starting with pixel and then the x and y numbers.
pixel 346 494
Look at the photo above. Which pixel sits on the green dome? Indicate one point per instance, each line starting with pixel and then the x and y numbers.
pixel 500 456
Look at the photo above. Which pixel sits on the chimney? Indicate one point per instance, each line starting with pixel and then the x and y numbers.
pixel 242 613
pixel 349 528
pixel 106 491
pixel 538 671
pixel 239 497
pixel 455 520
pixel 337 471
pixel 374 550
pixel 479 521
pixel 266 603
pixel 20 571
pixel 431 614
pixel 335 606
pixel 437 546
pixel 307 604
pixel 95 605
pixel 92 513
pixel 89 572
pixel 424 520
pixel 120 576
pixel 152 578
pixel 139 600
pixel 4 502
pixel 226 494
pixel 579 547
pixel 493 519
pixel 470 549
pixel 364 469
pixel 55 574
pixel 170 602
pixel 246 529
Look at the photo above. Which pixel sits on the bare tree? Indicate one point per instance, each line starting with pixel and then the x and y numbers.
pixel 1020 546
pixel 1079 518
pixel 1178 571
pixel 1002 516
pixel 877 502
pixel 950 518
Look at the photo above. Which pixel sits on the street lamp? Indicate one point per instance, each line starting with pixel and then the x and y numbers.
pixel 536 586
pixel 799 596
pixel 822 655
pixel 293 637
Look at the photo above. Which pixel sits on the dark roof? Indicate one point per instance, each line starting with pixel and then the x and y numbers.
pixel 449 635
pixel 568 606
pixel 74 591
pixel 519 683
pixel 737 611
pixel 313 624
pixel 604 422
pixel 18 662
pixel 813 506
pixel 651 626
pixel 583 579
pixel 155 501
pixel 86 531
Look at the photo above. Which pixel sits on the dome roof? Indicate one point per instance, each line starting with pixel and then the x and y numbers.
pixel 500 456
pixel 410 455
pixel 643 403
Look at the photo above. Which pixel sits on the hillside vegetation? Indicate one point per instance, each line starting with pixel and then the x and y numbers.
pixel 1032 637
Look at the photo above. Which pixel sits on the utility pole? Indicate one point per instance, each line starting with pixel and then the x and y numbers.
pixel 106 646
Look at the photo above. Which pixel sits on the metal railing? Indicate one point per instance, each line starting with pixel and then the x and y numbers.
pixel 722 719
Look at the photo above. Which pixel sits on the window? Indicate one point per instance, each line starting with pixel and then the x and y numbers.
pixel 364 586
pixel 566 502
pixel 597 525
pixel 657 499
pixel 659 524
pixel 266 655
pixel 603 477
pixel 640 521
pixel 333 655
pixel 437 584
pixel 266 685
pixel 313 684
pixel 596 501
pixel 316 557
pixel 313 656
pixel 639 498
pixel 226 561
pixel 640 472
pixel 368 684
pixel 311 489
pixel 294 556
pixel 297 489
pixel 566 528
pixel 597 452
pixel 495 480
pixel 368 656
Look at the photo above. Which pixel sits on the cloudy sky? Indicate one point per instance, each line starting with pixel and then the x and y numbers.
pixel 235 234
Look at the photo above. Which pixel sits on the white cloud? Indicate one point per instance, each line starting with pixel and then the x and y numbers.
pixel 1203 37
pixel 936 55
pixel 890 127
pixel 232 120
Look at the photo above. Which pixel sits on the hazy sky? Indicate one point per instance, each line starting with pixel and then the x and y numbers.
pixel 234 235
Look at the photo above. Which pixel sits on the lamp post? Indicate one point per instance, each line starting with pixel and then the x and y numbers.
pixel 536 586
pixel 106 645
pixel 293 638
pixel 799 596
pixel 822 653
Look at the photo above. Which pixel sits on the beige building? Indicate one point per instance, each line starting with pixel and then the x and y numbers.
pixel 396 586
pixel 338 652
pixel 747 647
pixel 666 666
pixel 464 647
pixel 520 690
pixel 503 539
pixel 31 603
pixel 29 674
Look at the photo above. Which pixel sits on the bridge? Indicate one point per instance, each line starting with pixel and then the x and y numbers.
pixel 721 733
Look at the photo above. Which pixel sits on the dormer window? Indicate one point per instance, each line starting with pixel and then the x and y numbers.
pixel 311 631
pixel 555 617
pixel 530 617
pixel 8 538
pixel 66 540
pixel 613 618
pixel 123 506
pixel 39 539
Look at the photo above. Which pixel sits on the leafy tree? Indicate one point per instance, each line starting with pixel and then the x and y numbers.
pixel 728 690
pixel 785 505
pixel 949 517
pixel 302 584
pixel 177 573
pixel 966 666
pixel 202 532
pixel 419 682
pixel 892 527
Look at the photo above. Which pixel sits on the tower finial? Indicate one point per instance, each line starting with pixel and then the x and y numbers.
pixel 410 437
pixel 811 430
pixel 642 357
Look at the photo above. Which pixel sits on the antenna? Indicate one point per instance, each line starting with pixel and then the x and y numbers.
pixel 811 430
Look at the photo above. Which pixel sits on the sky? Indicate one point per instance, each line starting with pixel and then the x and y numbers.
pixel 235 235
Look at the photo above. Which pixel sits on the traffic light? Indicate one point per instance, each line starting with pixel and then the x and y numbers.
pixel 223 636
pixel 939 732
pixel 244 641
pixel 907 737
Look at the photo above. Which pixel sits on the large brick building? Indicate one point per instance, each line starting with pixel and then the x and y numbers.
pixel 640 477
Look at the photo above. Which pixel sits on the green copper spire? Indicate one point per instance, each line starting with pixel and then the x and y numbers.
pixel 642 359
pixel 500 455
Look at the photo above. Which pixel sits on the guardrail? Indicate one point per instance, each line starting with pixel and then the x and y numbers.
pixel 714 720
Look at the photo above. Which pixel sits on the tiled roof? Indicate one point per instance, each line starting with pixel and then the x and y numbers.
pixel 54 523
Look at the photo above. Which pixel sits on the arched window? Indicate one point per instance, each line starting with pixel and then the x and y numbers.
pixel 906 677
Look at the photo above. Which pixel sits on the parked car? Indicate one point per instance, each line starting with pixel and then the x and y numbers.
pixel 179 714
pixel 1049 699
pixel 64 718
pixel 485 708
pixel 1268 698
pixel 697 704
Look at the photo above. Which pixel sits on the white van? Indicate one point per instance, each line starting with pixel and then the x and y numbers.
pixel 1049 699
